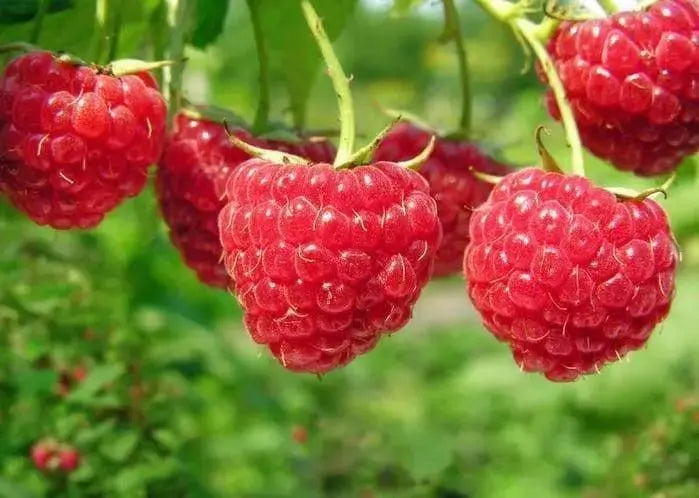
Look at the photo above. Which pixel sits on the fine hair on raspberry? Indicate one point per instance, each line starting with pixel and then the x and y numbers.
pixel 566 274
pixel 325 261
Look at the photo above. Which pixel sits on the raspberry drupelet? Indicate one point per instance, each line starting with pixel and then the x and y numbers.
pixel 633 84
pixel 197 161
pixel 325 261
pixel 451 181
pixel 75 141
pixel 566 274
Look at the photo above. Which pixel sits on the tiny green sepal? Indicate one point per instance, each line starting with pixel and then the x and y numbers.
pixel 274 156
pixel 420 159
pixel 364 154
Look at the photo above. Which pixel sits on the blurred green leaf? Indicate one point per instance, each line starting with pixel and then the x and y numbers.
pixel 211 15
pixel 37 381
pixel 120 446
pixel 98 378
pixel 16 11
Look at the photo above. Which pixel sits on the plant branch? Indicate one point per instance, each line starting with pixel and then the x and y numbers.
pixel 340 84
pixel 262 115
pixel 452 29
pixel 39 21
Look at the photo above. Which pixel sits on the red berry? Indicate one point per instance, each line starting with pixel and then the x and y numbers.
pixel 633 84
pixel 299 434
pixel 69 460
pixel 197 160
pixel 452 185
pixel 325 261
pixel 41 454
pixel 569 276
pixel 74 143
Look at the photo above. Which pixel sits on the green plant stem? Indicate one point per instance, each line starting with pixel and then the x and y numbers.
pixel 101 20
pixel 452 29
pixel 115 29
pixel 42 9
pixel 528 31
pixel 261 121
pixel 177 12
pixel 610 6
pixel 339 81
pixel 534 35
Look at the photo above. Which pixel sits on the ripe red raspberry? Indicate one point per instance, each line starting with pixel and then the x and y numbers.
pixel 196 163
pixel 69 459
pixel 569 276
pixel 326 261
pixel 633 83
pixel 41 454
pixel 73 142
pixel 452 185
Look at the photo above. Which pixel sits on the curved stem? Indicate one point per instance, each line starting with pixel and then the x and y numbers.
pixel 43 7
pixel 262 114
pixel 101 16
pixel 115 30
pixel 339 81
pixel 452 29
pixel 177 11
pixel 528 31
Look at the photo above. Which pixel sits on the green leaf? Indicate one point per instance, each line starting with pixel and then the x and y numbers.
pixel 96 379
pixel 293 49
pixel 37 381
pixel 120 446
pixel 17 11
pixel 211 15
pixel 426 453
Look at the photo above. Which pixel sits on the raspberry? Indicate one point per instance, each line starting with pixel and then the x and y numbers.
pixel 633 83
pixel 73 142
pixel 68 460
pixel 569 276
pixel 325 261
pixel 41 454
pixel 196 163
pixel 452 185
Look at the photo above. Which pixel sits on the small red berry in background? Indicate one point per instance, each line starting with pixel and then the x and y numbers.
pixel 451 181
pixel 299 434
pixel 69 459
pixel 633 84
pixel 326 261
pixel 41 453
pixel 74 142
pixel 197 160
pixel 570 277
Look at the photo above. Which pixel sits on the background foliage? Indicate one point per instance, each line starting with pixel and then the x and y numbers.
pixel 179 402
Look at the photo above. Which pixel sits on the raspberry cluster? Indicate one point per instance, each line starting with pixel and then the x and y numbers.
pixel 75 141
pixel 197 161
pixel 452 184
pixel 326 261
pixel 568 275
pixel 49 456
pixel 632 80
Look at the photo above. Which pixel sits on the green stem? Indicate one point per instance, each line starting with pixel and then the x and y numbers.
pixel 262 115
pixel 528 31
pixel 452 29
pixel 115 30
pixel 339 81
pixel 43 7
pixel 177 12
pixel 610 6
pixel 101 17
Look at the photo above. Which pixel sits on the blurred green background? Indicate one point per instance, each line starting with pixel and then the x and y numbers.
pixel 179 401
